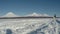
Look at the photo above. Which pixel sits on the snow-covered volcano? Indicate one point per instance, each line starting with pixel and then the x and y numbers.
pixel 10 14
pixel 36 14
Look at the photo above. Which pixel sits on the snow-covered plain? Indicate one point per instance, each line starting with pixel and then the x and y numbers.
pixel 27 26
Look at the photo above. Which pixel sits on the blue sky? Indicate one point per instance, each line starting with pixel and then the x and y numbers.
pixel 23 7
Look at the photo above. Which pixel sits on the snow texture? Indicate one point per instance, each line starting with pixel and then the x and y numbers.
pixel 29 26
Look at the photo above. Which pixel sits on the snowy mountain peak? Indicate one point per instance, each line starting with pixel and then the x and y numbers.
pixel 35 14
pixel 10 14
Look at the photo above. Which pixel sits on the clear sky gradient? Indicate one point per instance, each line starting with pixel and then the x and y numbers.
pixel 23 7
